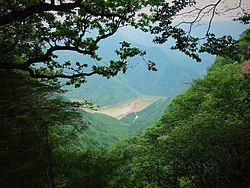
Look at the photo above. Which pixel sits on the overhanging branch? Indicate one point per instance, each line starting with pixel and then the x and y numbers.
pixel 46 56
pixel 34 75
pixel 39 8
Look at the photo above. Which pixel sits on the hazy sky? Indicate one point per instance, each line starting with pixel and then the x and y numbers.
pixel 223 9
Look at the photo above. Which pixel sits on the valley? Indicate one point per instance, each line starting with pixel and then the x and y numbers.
pixel 109 124
pixel 125 93
pixel 132 102
pixel 99 94
pixel 122 109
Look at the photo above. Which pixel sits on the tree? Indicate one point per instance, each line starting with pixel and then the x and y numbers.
pixel 29 111
pixel 32 32
pixel 202 140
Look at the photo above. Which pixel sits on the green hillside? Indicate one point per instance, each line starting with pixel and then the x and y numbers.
pixel 201 140
pixel 101 132
pixel 105 129
pixel 174 75
pixel 146 117
pixel 105 92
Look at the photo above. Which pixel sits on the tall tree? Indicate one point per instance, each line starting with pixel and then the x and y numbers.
pixel 29 110
pixel 34 31
pixel 202 140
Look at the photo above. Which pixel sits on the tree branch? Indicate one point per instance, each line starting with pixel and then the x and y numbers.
pixel 50 77
pixel 34 9
pixel 39 8
pixel 46 56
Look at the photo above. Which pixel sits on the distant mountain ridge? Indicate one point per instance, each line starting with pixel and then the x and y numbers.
pixel 176 70
pixel 105 130
pixel 172 77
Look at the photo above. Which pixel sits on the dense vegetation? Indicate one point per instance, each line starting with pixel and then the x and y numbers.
pixel 43 138
pixel 202 140
pixel 29 112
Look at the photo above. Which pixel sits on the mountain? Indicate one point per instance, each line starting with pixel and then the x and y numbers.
pixel 175 73
pixel 140 120
pixel 101 132
pixel 172 77
pixel 176 70
pixel 105 92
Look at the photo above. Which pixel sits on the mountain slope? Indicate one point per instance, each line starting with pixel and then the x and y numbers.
pixel 173 76
pixel 105 92
pixel 102 132
pixel 176 70
pixel 140 120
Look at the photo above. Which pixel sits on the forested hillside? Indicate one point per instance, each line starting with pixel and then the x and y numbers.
pixel 140 120
pixel 104 131
pixel 173 76
pixel 168 121
pixel 202 140
pixel 175 71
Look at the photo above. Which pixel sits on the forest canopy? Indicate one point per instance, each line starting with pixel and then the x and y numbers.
pixel 32 32
pixel 202 140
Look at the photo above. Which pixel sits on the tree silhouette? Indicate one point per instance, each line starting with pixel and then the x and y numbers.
pixel 32 32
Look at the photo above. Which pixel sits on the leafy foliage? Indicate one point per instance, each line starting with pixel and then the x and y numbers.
pixel 202 140
pixel 28 111
pixel 42 28
pixel 245 19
